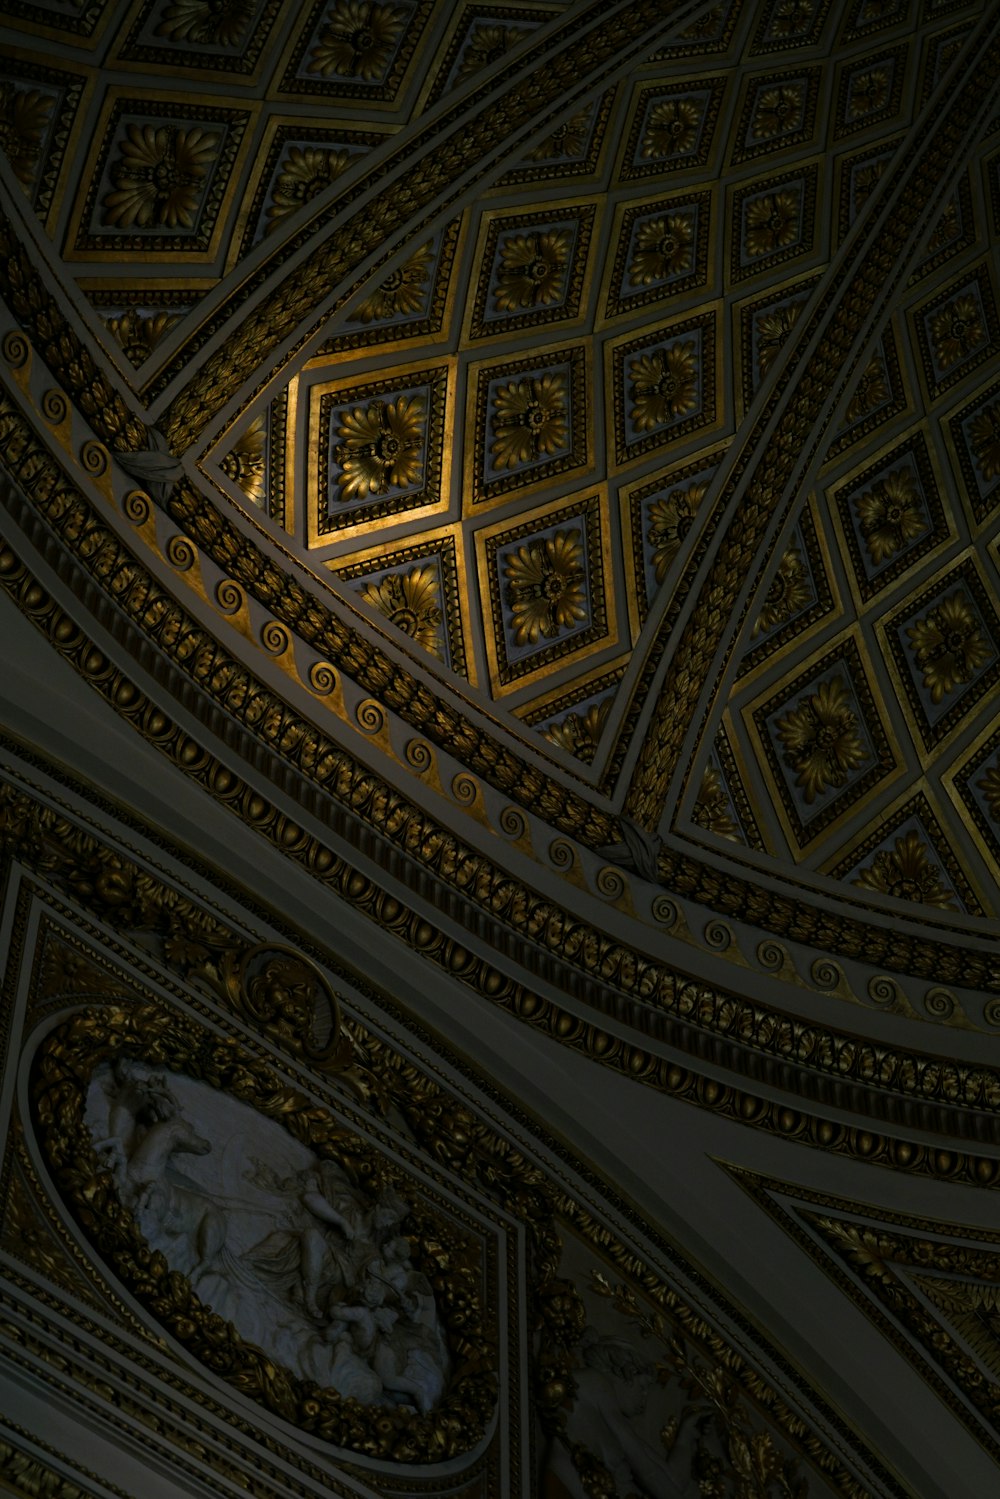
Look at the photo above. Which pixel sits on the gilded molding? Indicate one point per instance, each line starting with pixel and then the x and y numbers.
pixel 847 1072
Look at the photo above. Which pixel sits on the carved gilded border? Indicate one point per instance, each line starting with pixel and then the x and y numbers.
pixel 62 1069
pixel 868 1077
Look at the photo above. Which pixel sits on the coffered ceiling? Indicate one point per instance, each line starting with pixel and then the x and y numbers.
pixel 586 416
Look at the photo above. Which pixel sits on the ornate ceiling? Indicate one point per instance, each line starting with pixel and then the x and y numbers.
pixel 538 468
pixel 491 366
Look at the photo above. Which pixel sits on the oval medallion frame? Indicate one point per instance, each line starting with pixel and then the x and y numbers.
pixel 62 1073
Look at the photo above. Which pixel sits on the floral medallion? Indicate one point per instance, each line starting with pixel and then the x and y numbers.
pixel 945 645
pixel 572 148
pixel 957 331
pixel 877 396
pixel 713 810
pixel 892 515
pixel 949 646
pixel 246 462
pixel 660 520
pixel 296 166
pixel 796 596
pixel 579 731
pixel 545 582
pixel 411 602
pixel 526 422
pixel 159 179
pixel 485 46
pixel 672 128
pixel 907 856
pixel 545 587
pixel 668 522
pixel 790 23
pixel 870 91
pixel 410 303
pixel 206 23
pixel 402 294
pixel 415 590
pixel 663 385
pixel 772 222
pixel 379 448
pixel 662 249
pixel 138 334
pixel 357 40
pixel 789 592
pixel 533 269
pixel 778 111
pixel 357 49
pixel 907 871
pixel 824 741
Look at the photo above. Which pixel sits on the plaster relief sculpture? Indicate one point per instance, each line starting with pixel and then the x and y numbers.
pixel 631 1407
pixel 274 1239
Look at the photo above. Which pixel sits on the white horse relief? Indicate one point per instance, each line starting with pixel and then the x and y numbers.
pixel 271 1238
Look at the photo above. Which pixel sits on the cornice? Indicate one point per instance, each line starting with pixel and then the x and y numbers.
pixel 832 1069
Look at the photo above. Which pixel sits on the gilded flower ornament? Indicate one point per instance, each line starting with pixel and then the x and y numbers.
pixel 215 23
pixel 357 40
pixel 580 733
pixel 567 140
pixel 545 587
pixel 788 592
pixel 664 247
pixel 891 514
pixel 711 810
pixel 668 522
pixel 159 177
pixel 246 462
pixel 402 291
pixel 949 646
pixel 24 119
pixel 871 391
pixel 907 872
pixel 137 335
pixel 305 172
pixel 532 269
pixel 984 434
pixel 530 419
pixel 486 46
pixel 869 92
pixel 773 328
pixel 792 17
pixel 664 384
pixel 957 330
pixel 778 111
pixel 772 223
pixel 671 129
pixel 381 447
pixel 412 602
pixel 821 741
